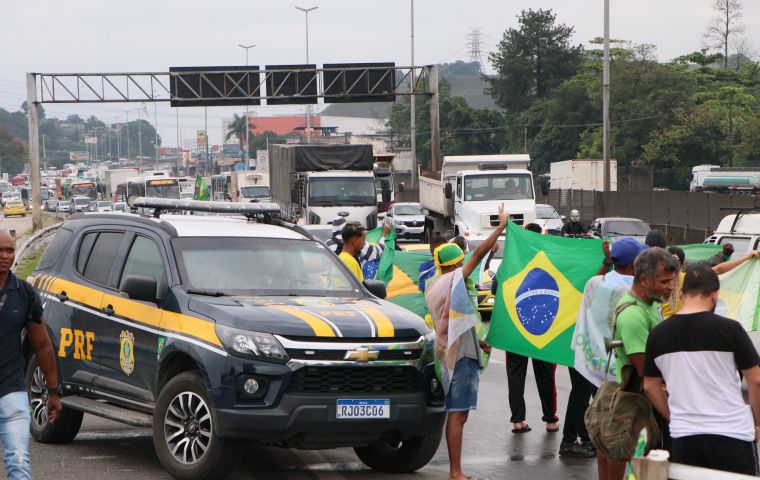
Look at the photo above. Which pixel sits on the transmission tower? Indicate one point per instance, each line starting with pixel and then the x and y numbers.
pixel 473 45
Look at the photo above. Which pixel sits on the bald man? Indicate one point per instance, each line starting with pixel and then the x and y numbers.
pixel 20 308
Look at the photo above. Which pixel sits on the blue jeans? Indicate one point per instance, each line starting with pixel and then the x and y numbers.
pixel 14 433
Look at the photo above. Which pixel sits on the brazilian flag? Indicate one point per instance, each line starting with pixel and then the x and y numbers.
pixel 201 192
pixel 541 284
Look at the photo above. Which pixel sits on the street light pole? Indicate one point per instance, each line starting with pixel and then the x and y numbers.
pixel 308 107
pixel 127 113
pixel 606 98
pixel 247 121
pixel 413 120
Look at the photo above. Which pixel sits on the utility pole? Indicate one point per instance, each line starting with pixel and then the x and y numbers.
pixel 205 131
pixel 155 128
pixel 108 134
pixel 44 152
pixel 139 135
pixel 606 98
pixel 118 140
pixel 34 150
pixel 179 150
pixel 127 112
pixel 412 104
pixel 247 121
pixel 308 107
pixel 435 134
pixel 731 129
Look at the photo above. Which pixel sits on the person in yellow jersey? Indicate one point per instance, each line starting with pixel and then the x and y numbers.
pixel 354 238
pixel 675 302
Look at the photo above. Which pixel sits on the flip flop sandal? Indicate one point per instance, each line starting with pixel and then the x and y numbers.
pixel 525 429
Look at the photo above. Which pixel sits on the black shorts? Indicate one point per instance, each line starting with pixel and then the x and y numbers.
pixel 716 452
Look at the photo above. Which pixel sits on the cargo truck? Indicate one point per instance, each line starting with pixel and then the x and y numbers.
pixel 581 175
pixel 464 197
pixel 250 186
pixel 314 184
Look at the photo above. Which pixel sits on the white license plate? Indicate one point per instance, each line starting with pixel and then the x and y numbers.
pixel 347 409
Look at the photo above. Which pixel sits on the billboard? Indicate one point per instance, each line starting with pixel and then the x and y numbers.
pixel 201 138
pixel 217 86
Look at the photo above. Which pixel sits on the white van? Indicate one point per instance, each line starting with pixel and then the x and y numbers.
pixel 742 230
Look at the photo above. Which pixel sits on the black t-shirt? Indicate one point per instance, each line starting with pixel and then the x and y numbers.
pixel 699 356
pixel 14 315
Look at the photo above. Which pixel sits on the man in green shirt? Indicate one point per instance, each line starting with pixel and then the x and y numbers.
pixel 654 272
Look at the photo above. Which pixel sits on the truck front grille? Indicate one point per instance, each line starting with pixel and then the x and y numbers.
pixel 354 380
pixel 518 218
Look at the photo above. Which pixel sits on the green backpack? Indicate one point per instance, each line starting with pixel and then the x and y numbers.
pixel 619 412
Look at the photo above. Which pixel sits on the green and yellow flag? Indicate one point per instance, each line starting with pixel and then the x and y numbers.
pixel 201 192
pixel 739 297
pixel 541 284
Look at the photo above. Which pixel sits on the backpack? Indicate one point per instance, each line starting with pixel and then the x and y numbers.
pixel 619 412
pixel 31 299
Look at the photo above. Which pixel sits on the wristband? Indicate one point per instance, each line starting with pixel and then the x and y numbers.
pixel 56 391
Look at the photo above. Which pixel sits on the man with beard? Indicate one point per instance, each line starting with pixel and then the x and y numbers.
pixel 637 314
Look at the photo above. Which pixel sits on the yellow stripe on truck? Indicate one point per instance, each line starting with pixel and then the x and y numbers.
pixel 320 327
pixel 191 326
pixel 384 324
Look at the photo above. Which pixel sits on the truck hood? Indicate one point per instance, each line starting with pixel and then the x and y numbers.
pixel 307 317
pixel 491 207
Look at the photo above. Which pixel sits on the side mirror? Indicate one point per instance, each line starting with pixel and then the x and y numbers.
pixel 139 287
pixel 448 191
pixel 295 195
pixel 376 288
pixel 401 188
pixel 425 212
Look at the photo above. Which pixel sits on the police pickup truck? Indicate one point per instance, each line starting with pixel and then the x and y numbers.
pixel 213 330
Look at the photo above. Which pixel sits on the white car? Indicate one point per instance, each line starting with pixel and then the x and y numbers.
pixel 408 219
pixel 64 206
pixel 81 203
pixel 10 195
pixel 104 206
pixel 548 218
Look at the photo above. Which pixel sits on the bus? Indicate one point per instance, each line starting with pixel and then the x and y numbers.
pixel 81 189
pixel 221 187
pixel 161 187
pixel 17 181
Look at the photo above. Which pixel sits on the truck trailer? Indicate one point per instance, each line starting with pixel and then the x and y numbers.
pixel 581 175
pixel 464 197
pixel 314 184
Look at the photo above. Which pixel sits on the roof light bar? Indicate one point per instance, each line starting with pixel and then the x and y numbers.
pixel 247 209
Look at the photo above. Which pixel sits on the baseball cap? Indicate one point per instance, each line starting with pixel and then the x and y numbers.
pixel 625 250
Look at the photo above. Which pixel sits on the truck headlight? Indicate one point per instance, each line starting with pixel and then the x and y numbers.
pixel 251 344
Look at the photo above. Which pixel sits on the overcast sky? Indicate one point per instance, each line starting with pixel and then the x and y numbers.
pixel 141 35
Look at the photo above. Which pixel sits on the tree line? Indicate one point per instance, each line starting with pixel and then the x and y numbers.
pixel 702 107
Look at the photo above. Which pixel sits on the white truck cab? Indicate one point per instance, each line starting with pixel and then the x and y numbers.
pixel 465 197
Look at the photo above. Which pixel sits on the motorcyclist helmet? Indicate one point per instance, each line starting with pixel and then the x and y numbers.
pixel 575 216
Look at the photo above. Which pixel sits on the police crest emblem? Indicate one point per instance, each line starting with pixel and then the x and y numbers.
pixel 126 351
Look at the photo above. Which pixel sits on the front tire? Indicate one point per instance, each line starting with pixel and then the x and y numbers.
pixel 183 432
pixel 404 456
pixel 69 421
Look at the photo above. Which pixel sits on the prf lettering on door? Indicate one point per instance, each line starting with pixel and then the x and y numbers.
pixel 82 340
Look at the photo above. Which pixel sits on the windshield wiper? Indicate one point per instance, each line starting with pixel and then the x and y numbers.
pixel 208 293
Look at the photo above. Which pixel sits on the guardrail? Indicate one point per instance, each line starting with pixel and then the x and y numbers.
pixel 30 242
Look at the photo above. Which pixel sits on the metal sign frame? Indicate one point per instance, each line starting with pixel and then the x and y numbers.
pixel 127 87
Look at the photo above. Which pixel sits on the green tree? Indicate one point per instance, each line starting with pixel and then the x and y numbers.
pixel 237 128
pixel 13 153
pixel 532 59
pixel 138 130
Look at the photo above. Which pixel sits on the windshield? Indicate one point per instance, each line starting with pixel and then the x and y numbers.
pixel 5 186
pixel 87 190
pixel 162 191
pixel 105 204
pixel 255 191
pixel 407 210
pixel 283 267
pixel 498 187
pixel 473 244
pixel 342 191
pixel 546 211
pixel 625 228
pixel 64 204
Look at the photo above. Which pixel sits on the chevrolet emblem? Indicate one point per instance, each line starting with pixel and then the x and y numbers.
pixel 362 355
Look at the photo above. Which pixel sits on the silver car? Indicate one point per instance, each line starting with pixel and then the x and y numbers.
pixel 64 206
pixel 408 219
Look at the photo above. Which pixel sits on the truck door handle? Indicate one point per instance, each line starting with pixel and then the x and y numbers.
pixel 62 297
pixel 108 310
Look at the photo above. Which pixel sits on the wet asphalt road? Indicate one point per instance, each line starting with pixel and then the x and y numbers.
pixel 109 450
